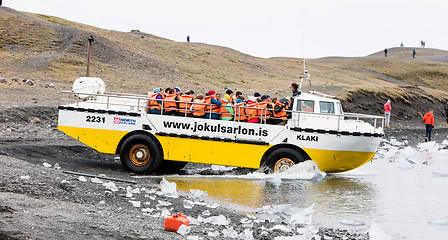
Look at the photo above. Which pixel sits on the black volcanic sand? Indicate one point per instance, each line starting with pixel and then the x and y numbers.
pixel 54 205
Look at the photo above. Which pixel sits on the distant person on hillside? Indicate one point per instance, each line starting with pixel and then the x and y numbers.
pixel 429 122
pixel 385 52
pixel 422 43
pixel 401 45
pixel 188 38
pixel 387 109
pixel 446 111
pixel 413 53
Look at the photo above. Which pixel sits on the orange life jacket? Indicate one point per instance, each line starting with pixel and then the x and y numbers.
pixel 170 106
pixel 266 112
pixel 240 111
pixel 152 102
pixel 282 114
pixel 185 103
pixel 198 109
pixel 251 111
pixel 224 112
pixel 208 100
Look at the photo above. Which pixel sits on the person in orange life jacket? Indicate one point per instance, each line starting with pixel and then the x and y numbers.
pixel 279 114
pixel 251 111
pixel 155 106
pixel 184 106
pixel 213 107
pixel 238 94
pixel 257 96
pixel 177 91
pixel 198 110
pixel 240 109
pixel 429 123
pixel 305 107
pixel 265 113
pixel 171 107
pixel 226 110
pixel 232 96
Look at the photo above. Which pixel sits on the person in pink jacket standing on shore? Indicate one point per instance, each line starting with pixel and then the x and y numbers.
pixel 387 109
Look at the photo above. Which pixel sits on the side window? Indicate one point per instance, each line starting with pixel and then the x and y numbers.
pixel 326 107
pixel 305 106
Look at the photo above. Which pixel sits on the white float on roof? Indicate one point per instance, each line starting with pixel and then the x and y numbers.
pixel 87 86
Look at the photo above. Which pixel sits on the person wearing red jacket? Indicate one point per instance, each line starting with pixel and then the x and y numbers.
pixel 387 109
pixel 429 122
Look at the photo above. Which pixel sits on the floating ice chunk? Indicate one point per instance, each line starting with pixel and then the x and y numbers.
pixel 203 220
pixel 326 237
pixel 376 233
pixel 230 233
pixel 245 220
pixel 264 216
pixel 294 237
pixel 183 229
pixel 96 180
pixel 47 165
pixel 135 191
pixel 445 142
pixel 221 168
pixel 199 203
pixel 56 166
pixel 246 235
pixel 147 210
pixel 168 188
pixel 82 179
pixel 281 228
pixel 213 205
pixel 129 195
pixel 152 197
pixel 165 213
pixel 395 142
pixel 352 222
pixel 165 203
pixel 440 221
pixel 110 186
pixel 135 203
pixel 151 191
pixel 198 193
pixel 26 177
pixel 302 215
pixel 102 202
pixel 193 238
pixel 206 213
pixel 188 204
pixel 218 220
pixel 213 234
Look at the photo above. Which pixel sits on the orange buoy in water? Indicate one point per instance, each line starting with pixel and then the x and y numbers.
pixel 173 223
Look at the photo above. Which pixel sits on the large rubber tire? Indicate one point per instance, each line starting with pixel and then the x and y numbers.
pixel 281 159
pixel 141 154
pixel 172 166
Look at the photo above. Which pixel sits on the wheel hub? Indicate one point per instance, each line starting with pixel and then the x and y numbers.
pixel 283 164
pixel 139 155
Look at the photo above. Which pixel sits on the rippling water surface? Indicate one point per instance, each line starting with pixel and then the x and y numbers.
pixel 404 190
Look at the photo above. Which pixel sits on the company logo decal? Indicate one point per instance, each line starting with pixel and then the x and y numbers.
pixel 126 121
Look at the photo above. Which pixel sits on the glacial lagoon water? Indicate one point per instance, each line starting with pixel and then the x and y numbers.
pixel 404 190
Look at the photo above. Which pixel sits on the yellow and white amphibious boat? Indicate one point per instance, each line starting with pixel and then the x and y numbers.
pixel 317 129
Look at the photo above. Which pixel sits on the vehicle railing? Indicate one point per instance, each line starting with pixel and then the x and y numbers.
pixel 143 104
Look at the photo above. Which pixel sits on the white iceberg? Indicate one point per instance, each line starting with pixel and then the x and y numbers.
pixel 47 165
pixel 135 203
pixel 183 229
pixel 82 179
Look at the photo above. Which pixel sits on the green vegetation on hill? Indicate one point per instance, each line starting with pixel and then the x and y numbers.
pixel 52 50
